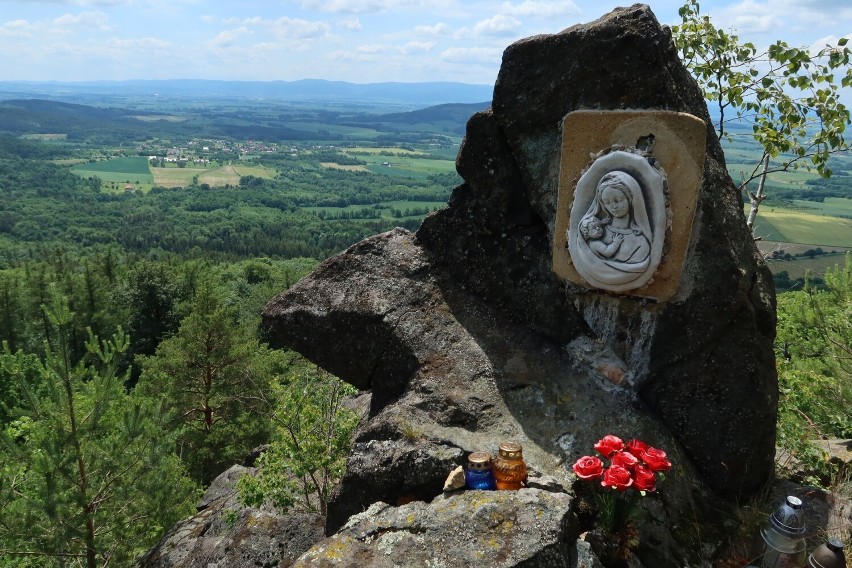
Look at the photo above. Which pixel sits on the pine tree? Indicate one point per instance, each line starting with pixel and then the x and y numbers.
pixel 214 375
pixel 86 467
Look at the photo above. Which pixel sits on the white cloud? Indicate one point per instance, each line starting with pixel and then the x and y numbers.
pixel 828 6
pixel 416 47
pixel 371 48
pixel 352 24
pixel 106 3
pixel 83 20
pixel 17 28
pixel 472 54
pixel 823 42
pixel 499 25
pixel 784 19
pixel 284 27
pixel 139 44
pixel 354 56
pixel 374 6
pixel 266 46
pixel 349 6
pixel 750 17
pixel 438 29
pixel 297 28
pixel 228 38
pixel 540 8
pixel 208 19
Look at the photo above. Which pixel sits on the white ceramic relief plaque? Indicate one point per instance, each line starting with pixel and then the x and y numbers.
pixel 617 225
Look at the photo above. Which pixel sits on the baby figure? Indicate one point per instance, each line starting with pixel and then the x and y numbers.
pixel 593 232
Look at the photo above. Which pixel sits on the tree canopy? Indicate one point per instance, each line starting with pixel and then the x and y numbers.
pixel 789 96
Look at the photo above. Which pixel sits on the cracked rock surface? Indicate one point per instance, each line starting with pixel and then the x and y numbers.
pixel 225 533
pixel 471 528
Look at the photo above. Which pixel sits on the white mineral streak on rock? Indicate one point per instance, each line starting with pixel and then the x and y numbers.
pixel 640 354
pixel 603 316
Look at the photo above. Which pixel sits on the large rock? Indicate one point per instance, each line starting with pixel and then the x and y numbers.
pixel 704 360
pixel 472 528
pixel 225 533
pixel 466 337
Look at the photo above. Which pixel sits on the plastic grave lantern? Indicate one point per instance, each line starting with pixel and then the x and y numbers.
pixel 784 536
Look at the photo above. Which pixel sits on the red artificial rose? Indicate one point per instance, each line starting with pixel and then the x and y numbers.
pixel 636 447
pixel 588 467
pixel 617 477
pixel 609 445
pixel 656 459
pixel 626 460
pixel 644 479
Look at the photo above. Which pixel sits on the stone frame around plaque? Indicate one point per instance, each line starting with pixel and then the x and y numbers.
pixel 663 153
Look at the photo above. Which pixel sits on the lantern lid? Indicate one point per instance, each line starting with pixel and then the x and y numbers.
pixel 789 518
pixel 829 555
pixel 479 458
pixel 511 450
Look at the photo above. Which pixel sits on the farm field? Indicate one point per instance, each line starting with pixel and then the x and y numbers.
pixel 832 206
pixel 377 151
pixel 256 171
pixel 176 177
pixel 135 165
pixel 353 132
pixel 796 226
pixel 44 136
pixel 335 166
pixel 163 117
pixel 397 161
pixel 418 168
pixel 215 177
pixel 118 170
pixel 136 170
pixel 816 266
pixel 796 249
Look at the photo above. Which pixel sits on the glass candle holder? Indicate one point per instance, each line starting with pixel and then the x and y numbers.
pixel 784 536
pixel 478 473
pixel 510 470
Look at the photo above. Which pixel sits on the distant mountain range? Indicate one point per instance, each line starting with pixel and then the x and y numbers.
pixel 40 116
pixel 416 94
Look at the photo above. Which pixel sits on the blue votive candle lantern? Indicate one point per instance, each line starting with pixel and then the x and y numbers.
pixel 478 474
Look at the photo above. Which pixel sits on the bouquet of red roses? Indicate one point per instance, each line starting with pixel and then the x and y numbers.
pixel 634 465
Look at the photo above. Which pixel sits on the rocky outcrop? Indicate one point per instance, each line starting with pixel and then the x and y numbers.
pixel 483 378
pixel 466 338
pixel 703 358
pixel 225 533
pixel 473 528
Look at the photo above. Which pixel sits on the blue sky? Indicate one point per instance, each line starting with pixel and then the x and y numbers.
pixel 362 41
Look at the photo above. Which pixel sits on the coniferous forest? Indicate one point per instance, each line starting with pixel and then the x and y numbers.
pixel 133 370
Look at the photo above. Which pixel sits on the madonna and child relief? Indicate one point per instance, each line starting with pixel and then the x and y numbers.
pixel 627 192
pixel 617 223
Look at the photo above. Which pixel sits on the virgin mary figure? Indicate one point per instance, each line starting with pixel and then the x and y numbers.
pixel 615 243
